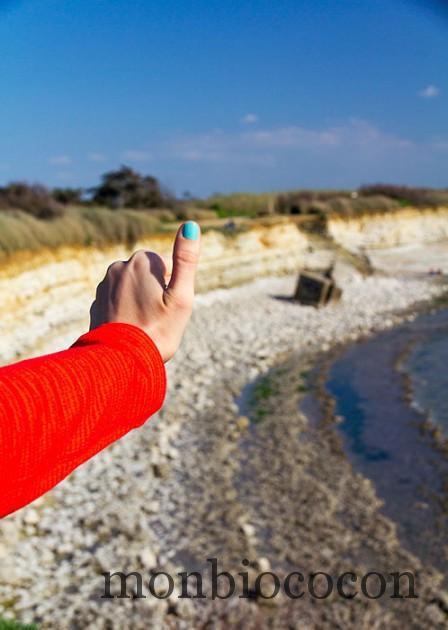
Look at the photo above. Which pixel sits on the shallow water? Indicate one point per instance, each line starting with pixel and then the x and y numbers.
pixel 380 428
pixel 427 366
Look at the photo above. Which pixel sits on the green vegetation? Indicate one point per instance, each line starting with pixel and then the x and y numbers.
pixel 263 389
pixel 441 301
pixel 407 195
pixel 241 204
pixel 371 198
pixel 304 385
pixel 127 206
pixel 15 625
pixel 126 188
pixel 124 208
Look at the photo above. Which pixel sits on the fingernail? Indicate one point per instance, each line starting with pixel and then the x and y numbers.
pixel 190 230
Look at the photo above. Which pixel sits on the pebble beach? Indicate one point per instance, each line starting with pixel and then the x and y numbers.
pixel 199 480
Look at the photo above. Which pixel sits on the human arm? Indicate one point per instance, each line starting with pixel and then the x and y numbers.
pixel 59 410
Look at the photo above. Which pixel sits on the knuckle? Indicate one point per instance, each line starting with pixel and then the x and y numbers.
pixel 187 257
pixel 139 257
pixel 115 268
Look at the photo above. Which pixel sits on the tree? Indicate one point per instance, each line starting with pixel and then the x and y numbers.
pixel 68 195
pixel 125 188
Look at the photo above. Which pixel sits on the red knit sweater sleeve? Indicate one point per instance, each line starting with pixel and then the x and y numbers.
pixel 58 410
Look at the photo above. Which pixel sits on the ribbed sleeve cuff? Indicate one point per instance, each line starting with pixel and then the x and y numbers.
pixel 136 343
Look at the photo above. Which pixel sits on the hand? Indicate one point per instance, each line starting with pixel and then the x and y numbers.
pixel 135 292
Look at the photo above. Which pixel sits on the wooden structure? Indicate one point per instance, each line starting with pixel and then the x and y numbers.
pixel 316 289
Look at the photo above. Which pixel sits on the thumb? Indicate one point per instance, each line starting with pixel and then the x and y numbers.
pixel 185 260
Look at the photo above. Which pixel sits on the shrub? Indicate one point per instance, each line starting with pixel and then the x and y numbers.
pixel 407 195
pixel 309 201
pixel 126 188
pixel 322 202
pixel 241 204
pixel 67 196
pixel 33 199
pixel 357 205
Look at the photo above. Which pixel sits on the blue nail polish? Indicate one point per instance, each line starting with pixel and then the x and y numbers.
pixel 190 230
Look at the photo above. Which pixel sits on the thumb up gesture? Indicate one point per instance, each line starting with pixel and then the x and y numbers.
pixel 151 292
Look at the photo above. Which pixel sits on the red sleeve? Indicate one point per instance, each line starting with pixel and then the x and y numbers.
pixel 58 410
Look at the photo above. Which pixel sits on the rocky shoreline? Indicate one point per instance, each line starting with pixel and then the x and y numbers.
pixel 199 481
pixel 364 393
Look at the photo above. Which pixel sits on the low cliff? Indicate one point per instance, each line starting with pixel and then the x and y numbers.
pixel 402 227
pixel 45 297
pixel 45 294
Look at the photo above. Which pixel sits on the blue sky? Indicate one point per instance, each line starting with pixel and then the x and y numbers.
pixel 225 96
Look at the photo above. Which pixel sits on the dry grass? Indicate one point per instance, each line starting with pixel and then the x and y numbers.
pixel 88 226
pixel 96 226
pixel 241 204
pixel 367 199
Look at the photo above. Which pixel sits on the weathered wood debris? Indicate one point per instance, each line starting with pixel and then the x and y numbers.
pixel 317 289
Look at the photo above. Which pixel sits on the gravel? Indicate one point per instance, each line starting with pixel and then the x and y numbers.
pixel 175 492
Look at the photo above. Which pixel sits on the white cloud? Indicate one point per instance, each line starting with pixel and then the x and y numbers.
pixel 292 136
pixel 430 91
pixel 135 155
pixel 249 119
pixel 97 157
pixel 264 146
pixel 215 147
pixel 365 135
pixel 60 160
pixel 440 144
